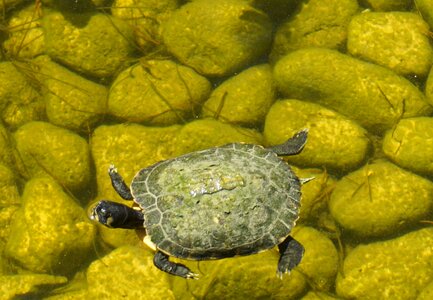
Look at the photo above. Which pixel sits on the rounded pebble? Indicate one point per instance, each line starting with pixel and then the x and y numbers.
pixel 387 5
pixel 72 101
pixel 217 38
pixel 98 49
pixel 208 133
pixel 371 95
pixel 424 7
pixel 320 261
pixel 48 150
pixel 50 233
pixel 24 103
pixel 404 142
pixel 8 187
pixel 426 293
pixel 406 51
pixel 243 99
pixel 240 278
pixel 157 92
pixel 318 23
pixel 26 37
pixel 380 199
pixel 334 141
pixel 315 194
pixel 145 17
pixel 127 272
pixel 130 147
pixel 24 285
pixel 393 269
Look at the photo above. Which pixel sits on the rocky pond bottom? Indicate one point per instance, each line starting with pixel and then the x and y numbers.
pixel 87 84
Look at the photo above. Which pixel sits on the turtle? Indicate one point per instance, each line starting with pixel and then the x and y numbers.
pixel 232 200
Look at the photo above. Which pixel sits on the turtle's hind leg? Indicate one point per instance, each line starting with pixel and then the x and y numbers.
pixel 118 184
pixel 292 146
pixel 161 261
pixel 291 252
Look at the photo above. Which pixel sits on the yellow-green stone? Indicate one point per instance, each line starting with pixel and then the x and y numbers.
pixel 372 95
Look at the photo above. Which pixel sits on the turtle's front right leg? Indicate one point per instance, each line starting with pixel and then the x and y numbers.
pixel 161 261
pixel 118 184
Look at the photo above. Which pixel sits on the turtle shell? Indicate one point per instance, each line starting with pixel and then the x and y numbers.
pixel 237 199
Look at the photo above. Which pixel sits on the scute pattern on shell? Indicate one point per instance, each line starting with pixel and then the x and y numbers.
pixel 236 199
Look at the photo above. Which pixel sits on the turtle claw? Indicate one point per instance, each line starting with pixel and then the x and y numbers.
pixel 112 169
pixel 280 274
pixel 192 275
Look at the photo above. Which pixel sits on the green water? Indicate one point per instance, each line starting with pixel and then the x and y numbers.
pixel 87 84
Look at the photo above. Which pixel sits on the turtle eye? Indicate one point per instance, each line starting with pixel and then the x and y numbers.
pixel 103 212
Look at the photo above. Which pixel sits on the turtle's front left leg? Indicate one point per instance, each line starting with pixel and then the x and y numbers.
pixel 118 184
pixel 161 262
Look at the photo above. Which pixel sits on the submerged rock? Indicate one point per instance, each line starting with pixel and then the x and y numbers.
pixel 319 23
pixel 407 51
pixel 372 95
pixel 21 102
pixel 318 295
pixel 244 277
pixel 7 4
pixel 217 38
pixel 48 150
pixel 127 272
pixel 97 45
pixel 72 101
pixel 76 6
pixel 6 150
pixel 244 98
pixel 26 37
pixel 429 87
pixel 276 9
pixel 145 17
pixel 6 216
pixel 207 133
pixel 410 144
pixel 50 232
pixel 9 204
pixel 387 5
pixel 315 194
pixel 69 295
pixel 157 92
pixel 255 275
pixel 28 286
pixel 334 141
pixel 130 147
pixel 320 261
pixel 425 8
pixel 8 188
pixel 380 199
pixel 392 269
pixel 426 293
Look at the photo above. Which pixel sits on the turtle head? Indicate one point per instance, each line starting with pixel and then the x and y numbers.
pixel 116 215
